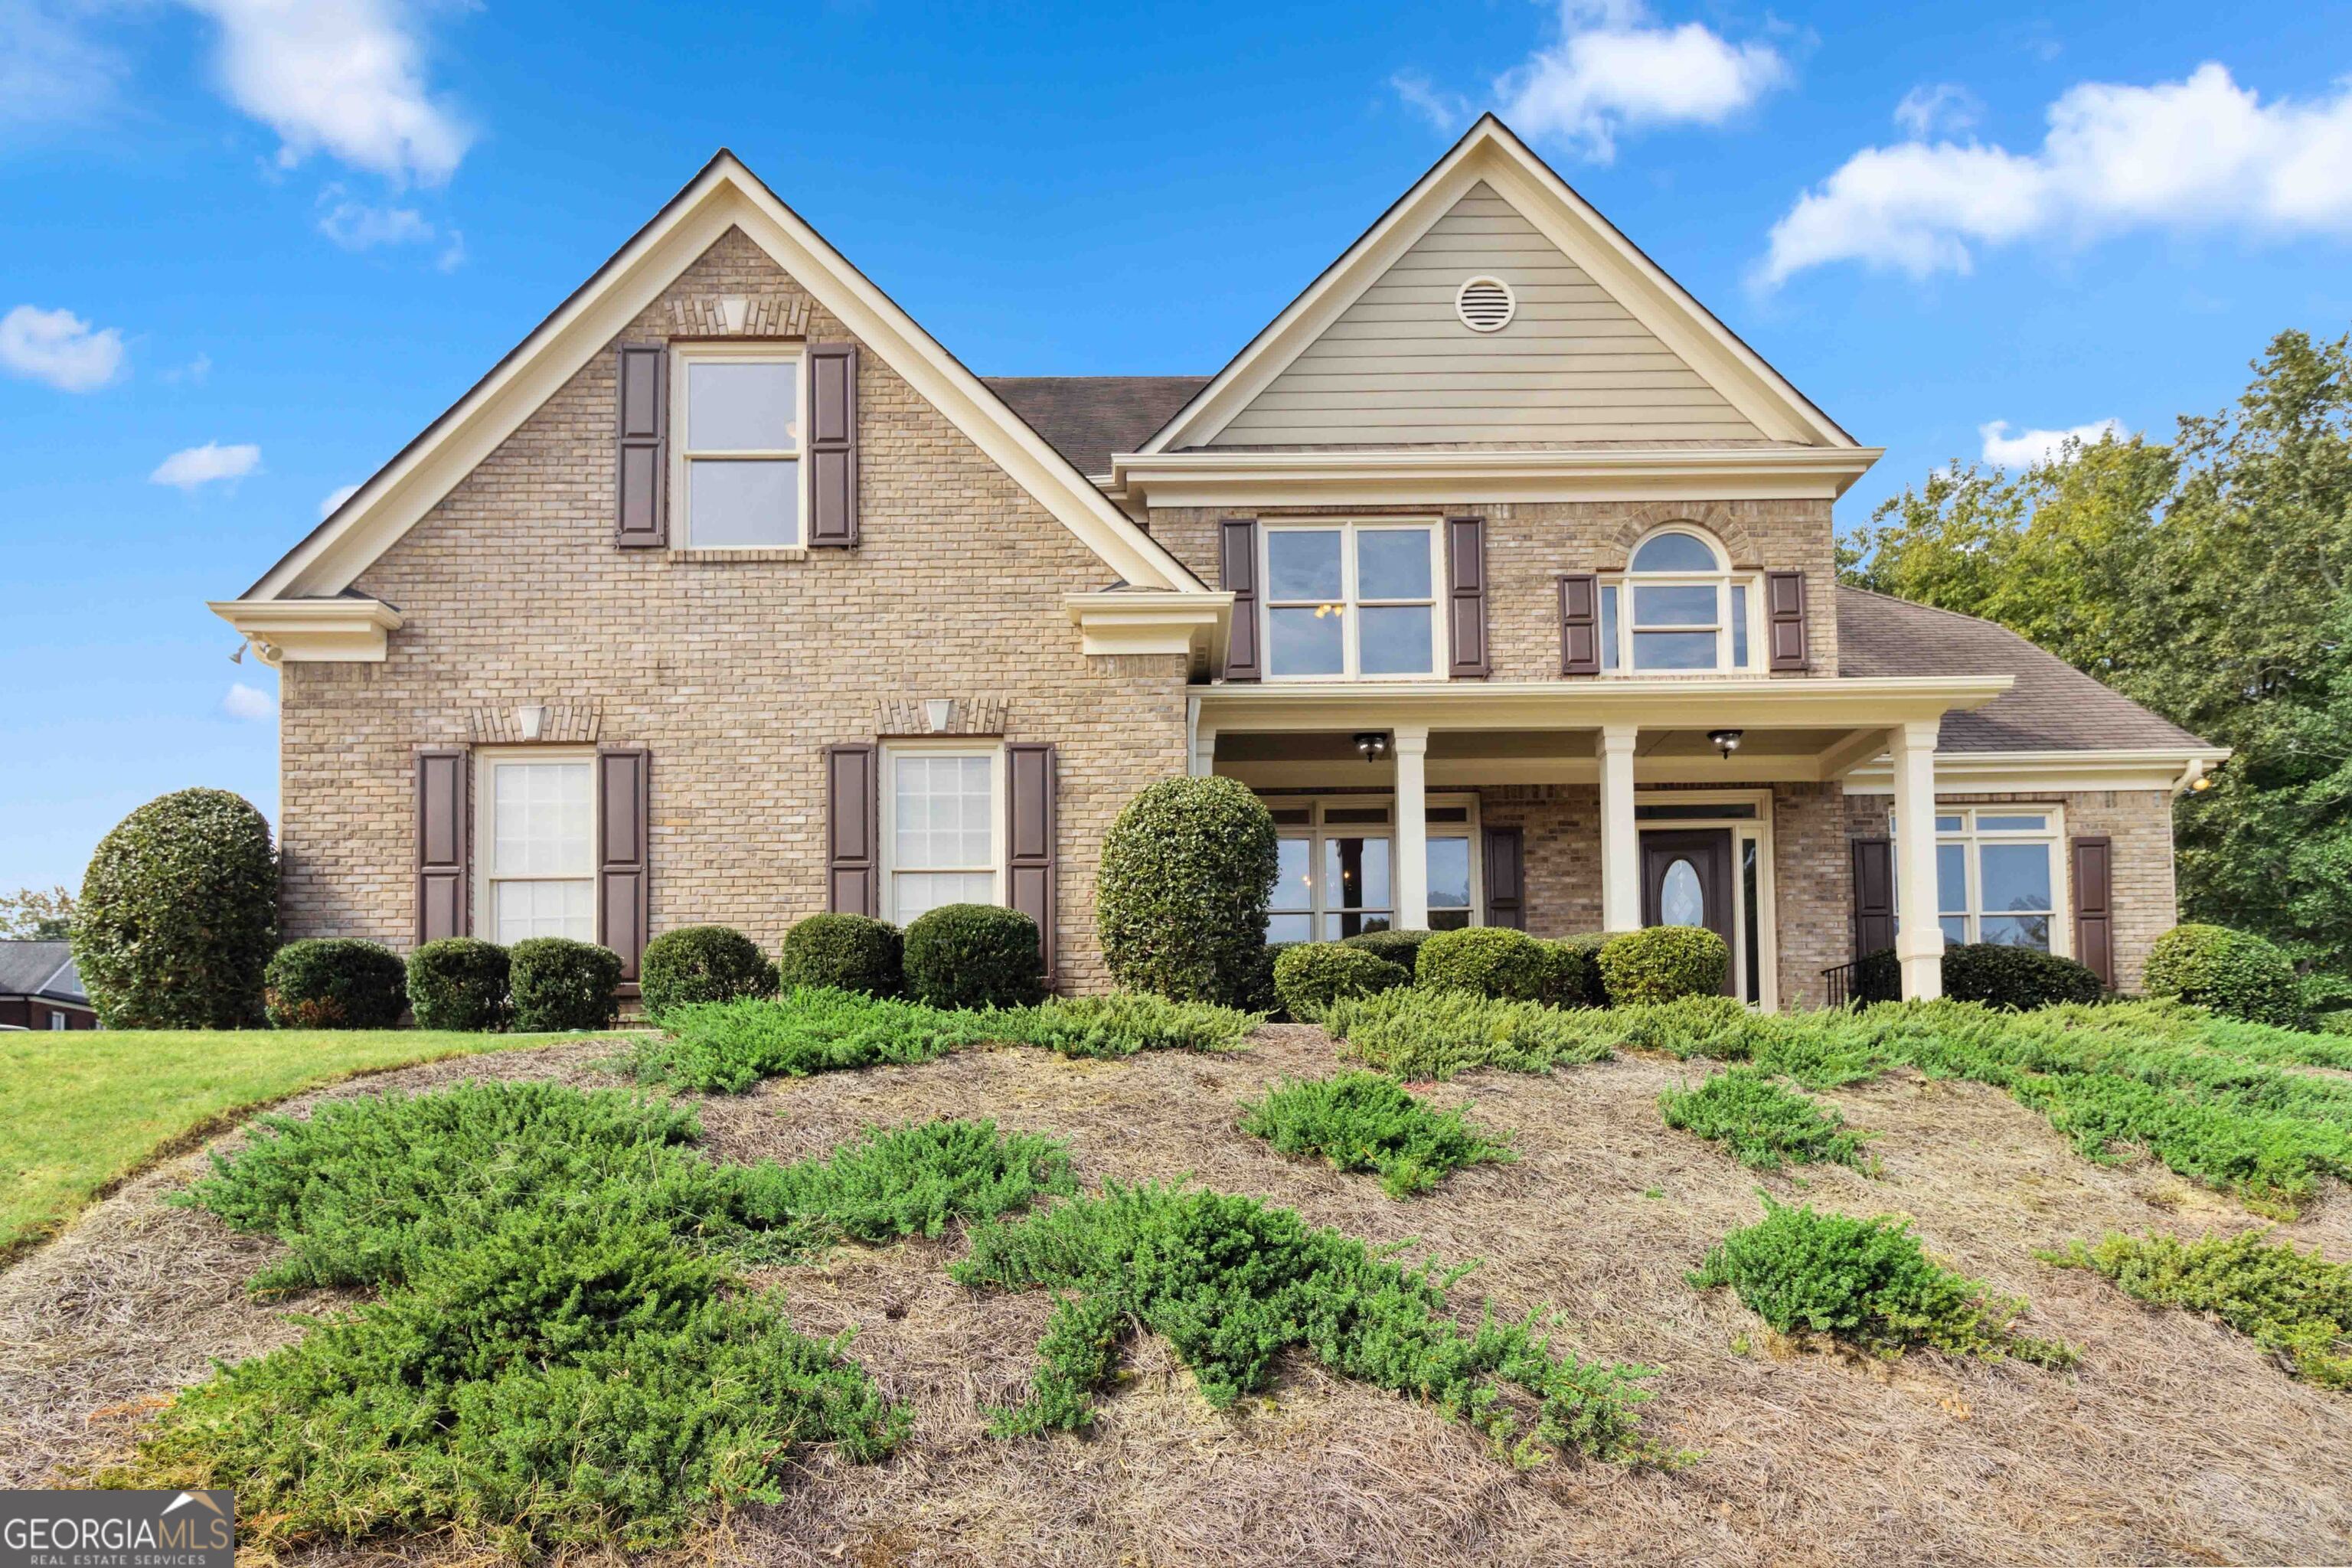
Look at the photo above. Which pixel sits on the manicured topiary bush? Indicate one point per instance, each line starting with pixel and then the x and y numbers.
pixel 703 963
pixel 2234 972
pixel 1311 975
pixel 2019 978
pixel 974 956
pixel 847 952
pixel 459 983
pixel 1397 946
pixel 1506 964
pixel 1661 963
pixel 178 915
pixel 335 982
pixel 558 983
pixel 1259 995
pixel 1181 898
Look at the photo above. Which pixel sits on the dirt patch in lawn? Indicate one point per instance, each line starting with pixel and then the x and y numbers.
pixel 2176 1440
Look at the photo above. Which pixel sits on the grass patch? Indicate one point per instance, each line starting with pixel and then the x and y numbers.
pixel 726 1046
pixel 1867 1282
pixel 1764 1125
pixel 2296 1305
pixel 1434 1033
pixel 1366 1121
pixel 1232 1283
pixel 89 1109
pixel 561 1354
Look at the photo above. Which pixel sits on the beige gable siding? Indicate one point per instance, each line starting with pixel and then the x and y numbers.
pixel 1399 366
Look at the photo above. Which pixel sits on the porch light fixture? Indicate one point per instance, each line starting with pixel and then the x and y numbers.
pixel 1725 741
pixel 530 718
pixel 1372 744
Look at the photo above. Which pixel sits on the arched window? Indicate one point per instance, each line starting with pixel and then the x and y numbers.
pixel 1685 608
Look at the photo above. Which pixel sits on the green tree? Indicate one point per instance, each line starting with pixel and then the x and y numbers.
pixel 31 914
pixel 2207 578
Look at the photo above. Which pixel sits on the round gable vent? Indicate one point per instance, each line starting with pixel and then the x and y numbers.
pixel 1486 304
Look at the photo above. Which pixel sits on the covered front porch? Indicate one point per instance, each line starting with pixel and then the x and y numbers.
pixel 1597 807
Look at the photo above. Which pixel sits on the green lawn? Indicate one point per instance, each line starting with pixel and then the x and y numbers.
pixel 82 1109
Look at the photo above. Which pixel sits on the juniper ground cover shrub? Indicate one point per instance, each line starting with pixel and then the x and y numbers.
pixel 1125 1022
pixel 1367 1121
pixel 1763 1124
pixel 1232 1283
pixel 2296 1305
pixel 1417 1033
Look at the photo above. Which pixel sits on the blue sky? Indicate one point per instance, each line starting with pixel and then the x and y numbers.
pixel 251 246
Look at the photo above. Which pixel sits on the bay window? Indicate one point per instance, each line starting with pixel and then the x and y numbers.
pixel 942 828
pixel 1352 600
pixel 737 475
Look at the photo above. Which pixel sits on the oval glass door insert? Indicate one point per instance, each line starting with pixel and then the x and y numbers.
pixel 1680 901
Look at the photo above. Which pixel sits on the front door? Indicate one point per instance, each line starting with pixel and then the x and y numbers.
pixel 1687 881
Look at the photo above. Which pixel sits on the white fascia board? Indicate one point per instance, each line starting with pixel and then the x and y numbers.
pixel 1723 701
pixel 1400 478
pixel 2028 772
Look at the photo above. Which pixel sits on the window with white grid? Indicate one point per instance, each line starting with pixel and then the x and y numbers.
pixel 941 842
pixel 542 860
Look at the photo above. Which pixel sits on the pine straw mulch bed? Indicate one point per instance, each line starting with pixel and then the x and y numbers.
pixel 2175 1441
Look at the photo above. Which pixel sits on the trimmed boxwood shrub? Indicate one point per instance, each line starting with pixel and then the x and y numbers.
pixel 1397 946
pixel 2018 978
pixel 974 956
pixel 703 963
pixel 1662 963
pixel 1259 995
pixel 178 915
pixel 1181 899
pixel 2234 972
pixel 335 982
pixel 1497 962
pixel 459 983
pixel 847 952
pixel 1311 975
pixel 558 983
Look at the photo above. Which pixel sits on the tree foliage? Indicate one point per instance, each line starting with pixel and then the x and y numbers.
pixel 2209 579
pixel 32 914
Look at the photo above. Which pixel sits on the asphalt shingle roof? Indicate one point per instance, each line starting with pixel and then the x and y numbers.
pixel 1087 417
pixel 39 968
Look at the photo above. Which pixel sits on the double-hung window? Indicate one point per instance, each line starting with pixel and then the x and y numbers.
pixel 1997 876
pixel 737 475
pixel 1352 600
pixel 942 828
pixel 539 861
pixel 1679 608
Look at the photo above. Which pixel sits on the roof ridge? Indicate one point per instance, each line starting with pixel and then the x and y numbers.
pixel 1844 587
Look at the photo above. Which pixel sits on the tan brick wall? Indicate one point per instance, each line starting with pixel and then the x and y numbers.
pixel 734 673
pixel 1528 544
pixel 2139 823
pixel 1560 827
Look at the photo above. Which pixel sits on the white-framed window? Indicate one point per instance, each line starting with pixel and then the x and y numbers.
pixel 1999 876
pixel 1334 880
pixel 57 1019
pixel 536 844
pixel 942 827
pixel 736 479
pixel 1680 609
pixel 1353 600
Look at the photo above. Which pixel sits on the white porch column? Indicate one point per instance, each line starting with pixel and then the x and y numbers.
pixel 1918 937
pixel 1203 761
pixel 1410 873
pixel 1621 858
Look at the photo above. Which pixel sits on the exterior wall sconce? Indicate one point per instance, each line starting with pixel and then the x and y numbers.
pixel 529 720
pixel 1373 744
pixel 1725 741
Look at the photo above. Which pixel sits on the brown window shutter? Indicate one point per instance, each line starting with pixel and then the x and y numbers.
pixel 833 445
pixel 853 828
pixel 1507 877
pixel 623 824
pixel 1873 895
pixel 1029 839
pixel 1466 577
pixel 1238 560
pixel 1580 623
pixel 642 519
pixel 2095 913
pixel 1784 619
pixel 443 845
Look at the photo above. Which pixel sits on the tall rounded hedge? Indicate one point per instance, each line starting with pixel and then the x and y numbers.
pixel 557 983
pixel 1310 975
pixel 1497 962
pixel 2233 972
pixel 1662 963
pixel 2019 978
pixel 703 963
pixel 459 983
pixel 847 952
pixel 1181 899
pixel 974 956
pixel 335 982
pixel 178 915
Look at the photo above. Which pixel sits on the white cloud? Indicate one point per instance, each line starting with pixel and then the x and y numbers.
pixel 51 70
pixel 356 226
pixel 452 255
pixel 245 701
pixel 1445 110
pixel 346 77
pixel 336 498
pixel 58 347
pixel 2197 153
pixel 1939 107
pixel 199 369
pixel 2028 447
pixel 1614 68
pixel 205 464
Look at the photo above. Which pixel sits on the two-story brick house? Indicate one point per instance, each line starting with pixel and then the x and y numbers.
pixel 1495 564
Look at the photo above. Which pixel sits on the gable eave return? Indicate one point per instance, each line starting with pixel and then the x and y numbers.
pixel 346 629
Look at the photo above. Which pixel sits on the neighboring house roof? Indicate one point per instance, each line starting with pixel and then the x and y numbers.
pixel 1087 417
pixel 41 969
pixel 2053 707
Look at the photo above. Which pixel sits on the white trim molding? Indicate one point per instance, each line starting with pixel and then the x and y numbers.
pixel 342 630
pixel 2028 773
pixel 1708 703
pixel 1136 620
pixel 1242 478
